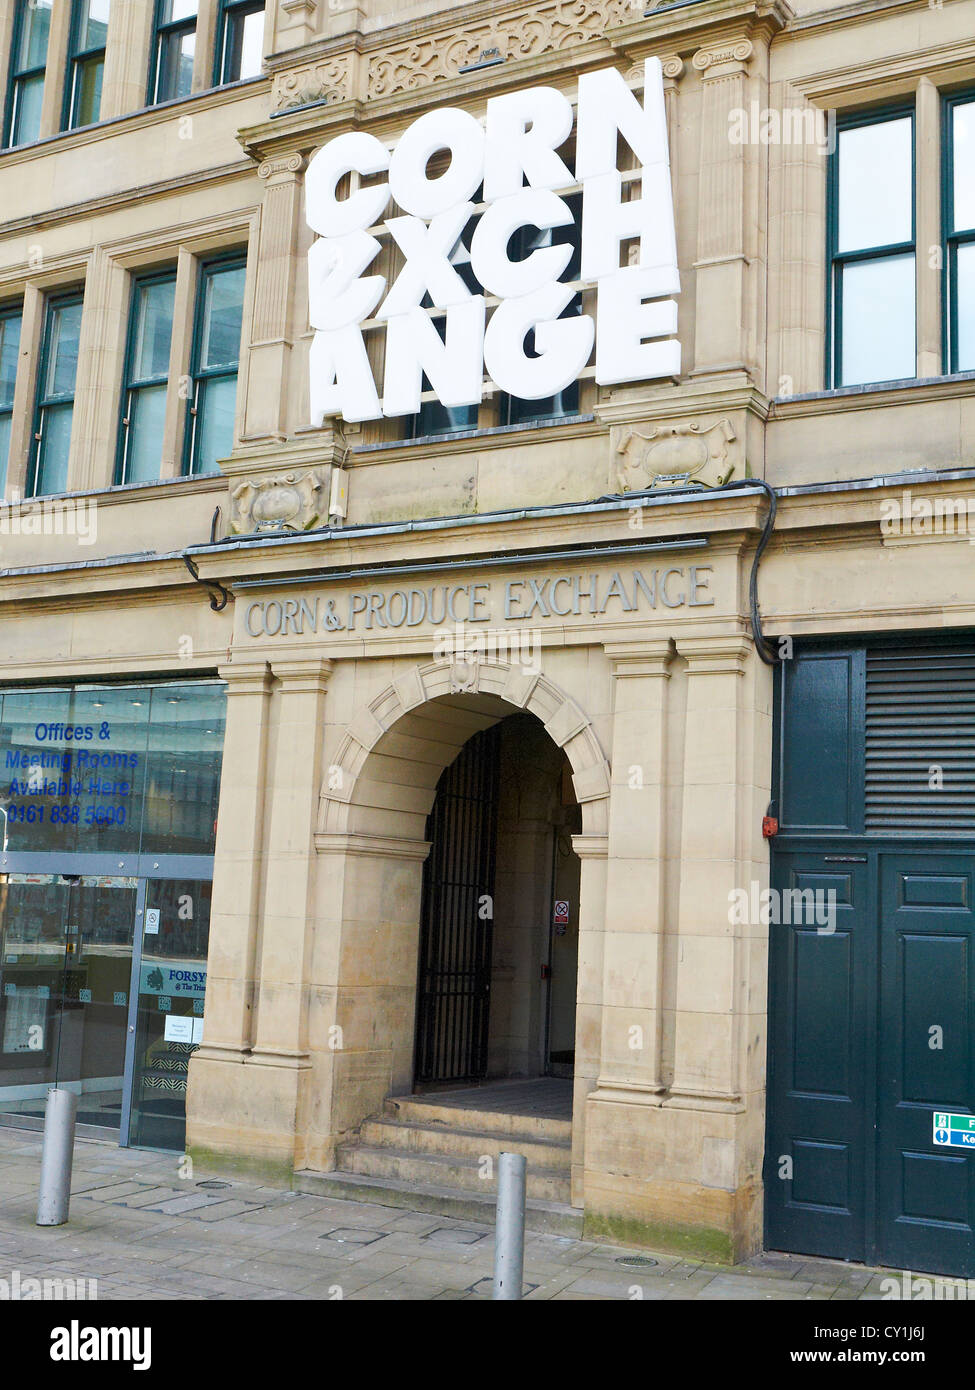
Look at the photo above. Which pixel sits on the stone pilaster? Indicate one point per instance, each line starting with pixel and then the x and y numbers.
pixel 630 1053
pixel 272 334
pixel 720 337
pixel 929 250
pixel 126 58
pixel 707 1063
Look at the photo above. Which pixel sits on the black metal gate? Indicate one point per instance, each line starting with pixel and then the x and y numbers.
pixel 457 917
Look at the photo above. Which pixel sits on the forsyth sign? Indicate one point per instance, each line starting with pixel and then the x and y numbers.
pixel 513 158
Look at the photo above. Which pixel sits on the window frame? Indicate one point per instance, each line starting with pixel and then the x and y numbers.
pixel 160 31
pixel 161 275
pixel 836 261
pixel 61 300
pixel 229 260
pixel 10 309
pixel 77 56
pixel 228 11
pixel 15 76
pixel 951 239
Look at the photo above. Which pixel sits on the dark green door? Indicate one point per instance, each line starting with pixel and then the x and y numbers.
pixel 925 1192
pixel 871 1031
pixel 819 1059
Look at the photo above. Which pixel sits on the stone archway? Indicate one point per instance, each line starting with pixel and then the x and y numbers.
pixel 377 792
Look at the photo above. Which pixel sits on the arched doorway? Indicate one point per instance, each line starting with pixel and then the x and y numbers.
pixel 498 951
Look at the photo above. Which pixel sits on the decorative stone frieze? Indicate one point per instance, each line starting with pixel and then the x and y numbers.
pixel 328 79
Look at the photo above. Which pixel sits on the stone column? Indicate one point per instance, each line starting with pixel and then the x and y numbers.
pixel 22 419
pixel 707 1063
pixel 281 1045
pixel 206 40
pixel 216 1092
pixel 126 58
pixel 55 72
pixel 274 298
pixel 95 422
pixel 630 1052
pixel 930 275
pixel 721 338
pixel 591 850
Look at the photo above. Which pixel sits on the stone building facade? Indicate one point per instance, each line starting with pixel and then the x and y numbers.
pixel 175 520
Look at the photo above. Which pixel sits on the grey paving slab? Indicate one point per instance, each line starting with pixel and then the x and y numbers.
pixel 142 1230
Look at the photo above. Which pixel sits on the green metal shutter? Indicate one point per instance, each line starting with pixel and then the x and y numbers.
pixel 920 730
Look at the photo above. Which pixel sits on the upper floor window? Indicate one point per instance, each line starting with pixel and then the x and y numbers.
pixel 146 377
pixel 54 403
pixel 32 24
pixel 10 320
pixel 86 63
pixel 959 187
pixel 171 73
pixel 240 40
pixel 215 359
pixel 872 316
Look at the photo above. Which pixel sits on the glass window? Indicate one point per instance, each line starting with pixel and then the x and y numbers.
pixel 873 299
pixel 171 76
pixel 147 375
pixel 55 396
pixel 112 768
pixel 10 320
pixel 216 354
pixel 32 24
pixel 960 219
pixel 240 46
pixel 86 63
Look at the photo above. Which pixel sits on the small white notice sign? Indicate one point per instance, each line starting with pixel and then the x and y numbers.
pixel 198 1030
pixel 179 1029
pixel 152 921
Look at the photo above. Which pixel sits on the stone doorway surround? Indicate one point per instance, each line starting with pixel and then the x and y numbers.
pixel 330 773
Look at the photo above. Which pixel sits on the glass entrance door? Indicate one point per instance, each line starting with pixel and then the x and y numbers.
pixel 169 1026
pixel 65 968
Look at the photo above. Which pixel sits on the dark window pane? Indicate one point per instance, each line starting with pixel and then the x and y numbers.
pixel 9 351
pixel 88 91
pixel 144 437
pixel 52 461
pixel 216 407
pixel 175 66
pixel 35 26
pixel 153 330
pixel 223 306
pixel 878 325
pixel 94 24
pixel 876 185
pixel 28 96
pixel 243 43
pixel 183 770
pixel 62 347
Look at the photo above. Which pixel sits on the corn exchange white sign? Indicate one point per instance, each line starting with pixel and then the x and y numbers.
pixel 513 157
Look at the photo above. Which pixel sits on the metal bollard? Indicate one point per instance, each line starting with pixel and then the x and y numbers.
pixel 509 1231
pixel 56 1157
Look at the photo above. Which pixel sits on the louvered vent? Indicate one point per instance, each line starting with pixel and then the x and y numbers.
pixel 920 717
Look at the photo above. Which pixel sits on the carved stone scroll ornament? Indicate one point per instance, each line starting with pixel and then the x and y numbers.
pixel 539 28
pixel 669 450
pixel 326 81
pixel 293 501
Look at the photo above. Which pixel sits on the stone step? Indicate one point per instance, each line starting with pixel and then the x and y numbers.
pixel 382 1131
pixel 423 1111
pixel 550 1218
pixel 444 1170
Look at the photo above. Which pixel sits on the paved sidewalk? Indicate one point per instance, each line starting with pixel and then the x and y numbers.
pixel 143 1232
